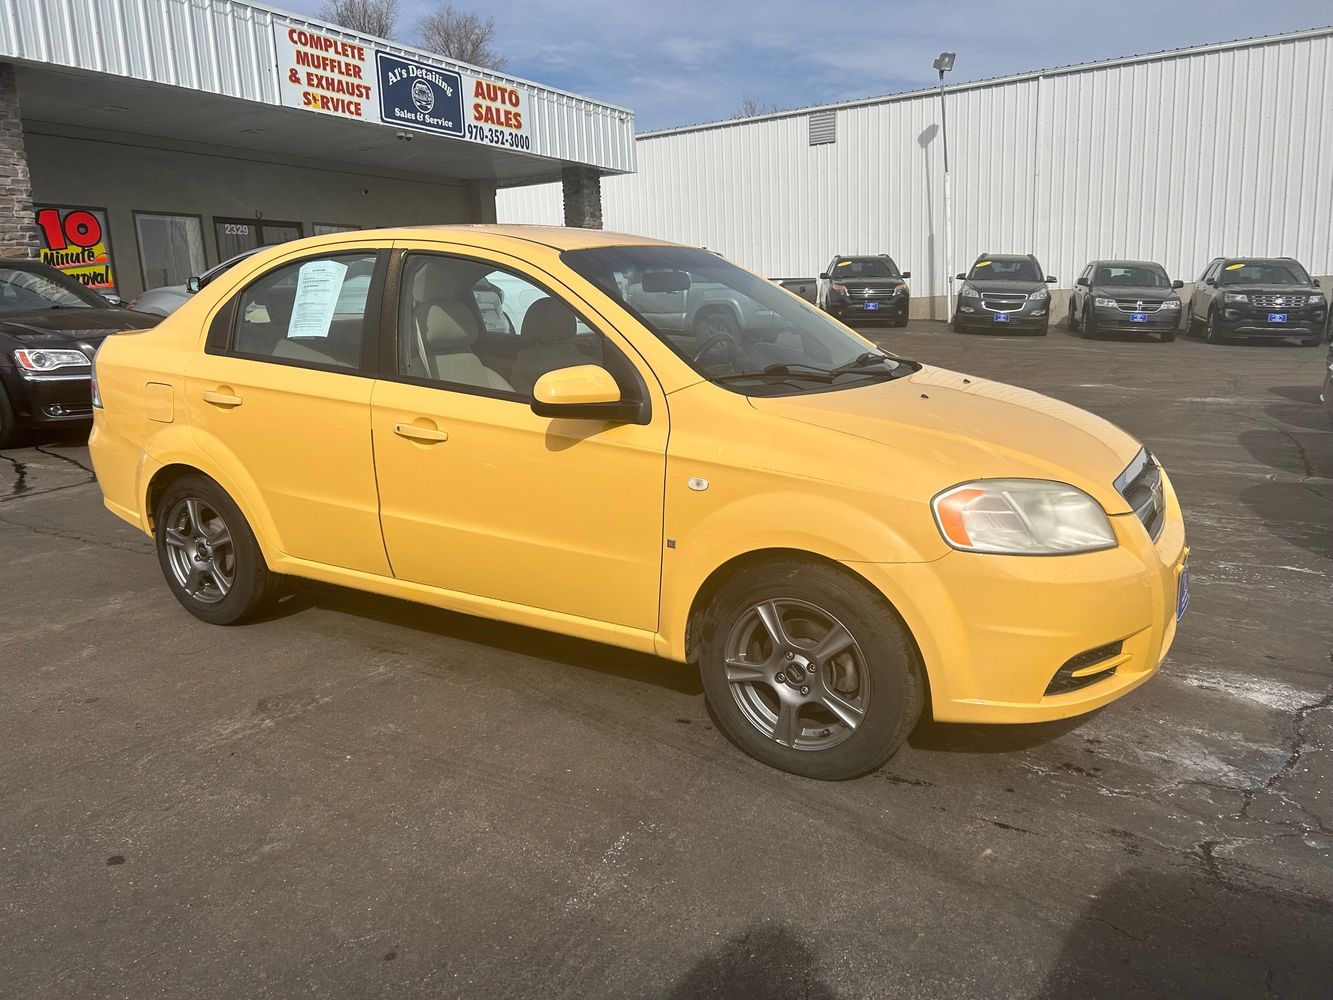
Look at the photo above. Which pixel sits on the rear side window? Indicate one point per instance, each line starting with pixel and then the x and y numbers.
pixel 310 313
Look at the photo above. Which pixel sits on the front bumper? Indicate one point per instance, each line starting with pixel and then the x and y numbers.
pixel 974 316
pixel 1119 321
pixel 993 631
pixel 867 310
pixel 1253 321
pixel 49 400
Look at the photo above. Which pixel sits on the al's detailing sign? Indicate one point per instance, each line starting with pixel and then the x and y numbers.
pixel 418 96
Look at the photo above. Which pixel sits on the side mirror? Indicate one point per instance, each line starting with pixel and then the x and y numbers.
pixel 961 276
pixel 823 276
pixel 906 274
pixel 192 284
pixel 114 299
pixel 1210 281
pixel 1084 282
pixel 586 392
pixel 665 281
pixel 1050 279
pixel 1177 284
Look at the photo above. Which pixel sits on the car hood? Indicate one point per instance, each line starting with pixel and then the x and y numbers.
pixel 982 285
pixel 869 282
pixel 53 327
pixel 971 428
pixel 1133 292
pixel 1271 289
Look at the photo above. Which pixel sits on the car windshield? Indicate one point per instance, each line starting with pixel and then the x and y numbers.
pixel 1005 270
pixel 26 290
pixel 1138 275
pixel 731 326
pixel 864 267
pixel 1264 273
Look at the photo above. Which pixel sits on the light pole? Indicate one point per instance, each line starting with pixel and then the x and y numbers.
pixel 943 63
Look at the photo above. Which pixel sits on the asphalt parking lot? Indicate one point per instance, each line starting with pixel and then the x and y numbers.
pixel 361 797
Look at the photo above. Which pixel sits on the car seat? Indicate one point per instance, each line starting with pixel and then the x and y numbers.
pixel 549 329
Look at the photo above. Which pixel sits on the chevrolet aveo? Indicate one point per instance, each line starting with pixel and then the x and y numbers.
pixel 839 539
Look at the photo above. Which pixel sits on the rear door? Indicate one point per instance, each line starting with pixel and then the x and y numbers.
pixel 280 399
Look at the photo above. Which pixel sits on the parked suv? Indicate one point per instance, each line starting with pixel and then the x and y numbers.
pixel 838 538
pixel 1004 291
pixel 1123 296
pixel 865 288
pixel 50 326
pixel 1257 297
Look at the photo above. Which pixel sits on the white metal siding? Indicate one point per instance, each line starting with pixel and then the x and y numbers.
pixel 1176 157
pixel 226 47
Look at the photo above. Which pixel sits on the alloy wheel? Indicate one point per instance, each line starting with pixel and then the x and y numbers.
pixel 797 674
pixel 200 550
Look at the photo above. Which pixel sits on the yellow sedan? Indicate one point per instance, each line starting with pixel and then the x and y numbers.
pixel 642 444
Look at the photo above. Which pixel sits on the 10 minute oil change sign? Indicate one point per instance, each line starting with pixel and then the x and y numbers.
pixel 431 99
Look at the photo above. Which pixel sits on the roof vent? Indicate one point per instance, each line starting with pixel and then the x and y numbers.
pixel 823 127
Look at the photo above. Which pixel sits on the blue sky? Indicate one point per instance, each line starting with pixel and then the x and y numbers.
pixel 691 61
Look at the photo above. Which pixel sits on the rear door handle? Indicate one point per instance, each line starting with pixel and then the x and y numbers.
pixel 224 399
pixel 416 433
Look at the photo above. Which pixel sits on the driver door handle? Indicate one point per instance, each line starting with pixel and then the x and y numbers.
pixel 416 433
pixel 223 399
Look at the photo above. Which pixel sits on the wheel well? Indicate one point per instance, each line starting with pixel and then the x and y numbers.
pixel 162 479
pixel 727 308
pixel 696 624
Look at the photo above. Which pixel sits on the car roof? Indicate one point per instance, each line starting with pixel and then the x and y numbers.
pixel 554 237
pixel 1126 263
pixel 1006 256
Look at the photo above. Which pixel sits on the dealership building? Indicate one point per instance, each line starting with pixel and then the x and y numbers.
pixel 1176 157
pixel 142 141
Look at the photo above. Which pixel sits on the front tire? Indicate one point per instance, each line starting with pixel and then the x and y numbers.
pixel 9 428
pixel 1211 333
pixel 209 555
pixel 1089 324
pixel 807 669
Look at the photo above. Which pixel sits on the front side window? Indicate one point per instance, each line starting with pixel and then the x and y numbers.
pixel 311 313
pixel 468 324
pixel 24 290
pixel 1005 270
pixel 1264 273
pixel 729 325
pixel 171 248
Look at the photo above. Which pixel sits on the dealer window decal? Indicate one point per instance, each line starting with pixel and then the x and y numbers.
pixel 77 242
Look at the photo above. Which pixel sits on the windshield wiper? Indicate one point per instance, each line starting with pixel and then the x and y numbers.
pixel 870 358
pixel 782 371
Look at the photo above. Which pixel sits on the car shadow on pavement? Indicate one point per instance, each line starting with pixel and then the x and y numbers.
pixel 1194 933
pixel 1299 453
pixel 949 737
pixel 1286 511
pixel 580 653
pixel 1298 393
pixel 767 962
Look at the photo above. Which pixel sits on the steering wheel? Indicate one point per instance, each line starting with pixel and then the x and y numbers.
pixel 712 342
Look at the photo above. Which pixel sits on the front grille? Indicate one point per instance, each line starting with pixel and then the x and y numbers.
pixel 1279 301
pixel 1003 301
pixel 1139 305
pixel 870 293
pixel 1064 680
pixel 1141 486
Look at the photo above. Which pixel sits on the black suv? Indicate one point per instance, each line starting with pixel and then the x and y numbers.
pixel 50 327
pixel 1004 292
pixel 1257 297
pixel 1125 296
pixel 866 288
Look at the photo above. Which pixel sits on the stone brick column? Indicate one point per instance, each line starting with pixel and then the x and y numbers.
pixel 583 197
pixel 18 229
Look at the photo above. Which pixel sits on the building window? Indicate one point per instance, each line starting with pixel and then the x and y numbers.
pixel 171 247
pixel 236 235
pixel 325 228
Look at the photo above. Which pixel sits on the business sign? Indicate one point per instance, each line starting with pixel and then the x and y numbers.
pixel 323 73
pixel 416 95
pixel 77 242
pixel 333 75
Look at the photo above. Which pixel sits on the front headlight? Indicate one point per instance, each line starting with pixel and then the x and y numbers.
pixel 899 289
pixel 1171 304
pixel 1022 517
pixel 839 288
pixel 1040 295
pixel 49 361
pixel 1235 297
pixel 1104 303
pixel 969 292
pixel 1316 299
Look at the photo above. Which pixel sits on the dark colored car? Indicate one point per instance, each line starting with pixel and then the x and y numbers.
pixel 1327 394
pixel 50 327
pixel 865 289
pixel 1004 292
pixel 1125 296
pixel 1271 297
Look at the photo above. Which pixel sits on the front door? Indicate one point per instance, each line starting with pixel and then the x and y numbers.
pixel 281 400
pixel 480 495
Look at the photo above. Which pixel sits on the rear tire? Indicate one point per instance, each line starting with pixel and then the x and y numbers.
pixel 209 555
pixel 808 669
pixel 9 428
pixel 1071 324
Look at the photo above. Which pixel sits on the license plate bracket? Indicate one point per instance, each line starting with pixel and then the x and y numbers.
pixel 1001 318
pixel 1138 317
pixel 1277 317
pixel 1183 592
pixel 871 306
